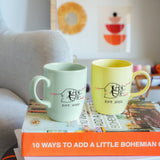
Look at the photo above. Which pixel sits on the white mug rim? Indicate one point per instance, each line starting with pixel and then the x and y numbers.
pixel 50 67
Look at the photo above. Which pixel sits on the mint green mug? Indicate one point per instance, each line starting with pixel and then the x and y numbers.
pixel 64 90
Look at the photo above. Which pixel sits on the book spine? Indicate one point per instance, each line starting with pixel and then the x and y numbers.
pixel 91 144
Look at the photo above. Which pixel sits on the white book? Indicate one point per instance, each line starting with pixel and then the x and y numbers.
pixel 19 157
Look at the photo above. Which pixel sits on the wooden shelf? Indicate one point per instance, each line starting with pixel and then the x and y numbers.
pixel 140 77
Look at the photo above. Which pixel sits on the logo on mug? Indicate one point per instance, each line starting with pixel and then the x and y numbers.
pixel 70 95
pixel 114 90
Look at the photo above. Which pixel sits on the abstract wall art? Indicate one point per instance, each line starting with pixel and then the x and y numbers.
pixel 94 29
pixel 115 29
pixel 71 18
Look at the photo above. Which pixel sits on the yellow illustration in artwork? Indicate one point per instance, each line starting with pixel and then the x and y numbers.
pixel 71 18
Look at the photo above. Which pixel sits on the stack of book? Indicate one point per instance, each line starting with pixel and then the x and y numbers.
pixel 132 133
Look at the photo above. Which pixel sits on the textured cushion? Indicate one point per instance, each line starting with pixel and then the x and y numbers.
pixel 24 54
pixel 12 113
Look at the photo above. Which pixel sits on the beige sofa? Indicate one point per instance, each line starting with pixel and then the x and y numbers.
pixel 22 56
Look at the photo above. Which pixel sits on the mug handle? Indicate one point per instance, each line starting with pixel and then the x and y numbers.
pixel 33 86
pixel 146 87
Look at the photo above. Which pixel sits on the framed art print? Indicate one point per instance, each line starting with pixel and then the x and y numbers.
pixel 114 29
pixel 93 28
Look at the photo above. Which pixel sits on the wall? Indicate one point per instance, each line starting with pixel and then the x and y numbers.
pixel 26 15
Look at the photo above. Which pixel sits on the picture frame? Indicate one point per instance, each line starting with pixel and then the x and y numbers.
pixel 97 35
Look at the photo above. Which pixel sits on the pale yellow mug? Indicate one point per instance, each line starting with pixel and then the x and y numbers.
pixel 111 81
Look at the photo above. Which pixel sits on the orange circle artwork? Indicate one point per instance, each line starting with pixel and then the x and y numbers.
pixel 71 18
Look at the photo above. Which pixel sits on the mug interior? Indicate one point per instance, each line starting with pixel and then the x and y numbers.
pixel 64 67
pixel 112 63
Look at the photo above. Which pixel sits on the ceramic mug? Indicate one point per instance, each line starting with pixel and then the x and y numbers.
pixel 111 81
pixel 64 90
pixel 137 68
